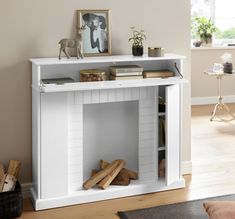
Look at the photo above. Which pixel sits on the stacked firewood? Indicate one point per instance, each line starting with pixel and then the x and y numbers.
pixel 112 173
pixel 8 179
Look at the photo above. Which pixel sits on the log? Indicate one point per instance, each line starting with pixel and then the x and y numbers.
pixel 9 183
pixel 1 171
pixel 122 179
pixel 132 174
pixel 2 177
pixel 2 182
pixel 14 168
pixel 100 175
pixel 104 183
pixel 161 168
pixel 94 171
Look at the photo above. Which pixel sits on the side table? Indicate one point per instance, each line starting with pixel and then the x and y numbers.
pixel 220 105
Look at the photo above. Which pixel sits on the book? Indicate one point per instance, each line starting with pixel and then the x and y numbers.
pixel 158 74
pixel 127 73
pixel 112 77
pixel 57 80
pixel 125 68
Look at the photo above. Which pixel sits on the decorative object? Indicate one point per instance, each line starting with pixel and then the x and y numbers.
pixel 155 51
pixel 218 68
pixel 96 36
pixel 132 77
pixel 204 28
pixel 11 203
pixel 72 43
pixel 126 72
pixel 158 74
pixel 227 62
pixel 137 41
pixel 183 210
pixel 8 179
pixel 197 43
pixel 60 81
pixel 11 200
pixel 92 75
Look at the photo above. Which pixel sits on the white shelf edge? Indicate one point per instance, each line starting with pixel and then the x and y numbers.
pixel 201 48
pixel 83 86
pixel 104 59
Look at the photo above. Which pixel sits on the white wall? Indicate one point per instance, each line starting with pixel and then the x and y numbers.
pixel 31 28
pixel 204 87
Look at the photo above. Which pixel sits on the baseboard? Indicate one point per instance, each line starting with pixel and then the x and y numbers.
pixel 211 100
pixel 26 189
pixel 186 167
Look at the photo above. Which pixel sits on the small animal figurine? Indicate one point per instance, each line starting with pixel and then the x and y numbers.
pixel 72 43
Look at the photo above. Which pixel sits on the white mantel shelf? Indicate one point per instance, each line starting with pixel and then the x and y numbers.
pixel 104 59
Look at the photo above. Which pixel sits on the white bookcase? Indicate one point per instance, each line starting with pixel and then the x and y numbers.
pixel 77 124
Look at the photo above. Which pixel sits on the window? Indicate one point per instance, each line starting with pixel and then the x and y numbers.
pixel 222 14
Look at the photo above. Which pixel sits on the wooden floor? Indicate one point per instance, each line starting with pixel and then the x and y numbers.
pixel 213 156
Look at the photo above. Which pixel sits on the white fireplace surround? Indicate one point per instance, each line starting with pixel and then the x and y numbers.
pixel 58 134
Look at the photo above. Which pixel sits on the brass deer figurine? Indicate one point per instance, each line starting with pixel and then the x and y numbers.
pixel 72 43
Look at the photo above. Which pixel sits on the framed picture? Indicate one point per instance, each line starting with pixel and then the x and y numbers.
pixel 96 35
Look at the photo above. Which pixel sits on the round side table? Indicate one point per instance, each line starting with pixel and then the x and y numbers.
pixel 220 104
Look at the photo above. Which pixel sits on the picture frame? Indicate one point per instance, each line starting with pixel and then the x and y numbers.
pixel 96 40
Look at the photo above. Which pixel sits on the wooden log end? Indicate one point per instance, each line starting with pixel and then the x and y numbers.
pixel 122 178
pixel 100 175
pixel 103 184
pixel 14 168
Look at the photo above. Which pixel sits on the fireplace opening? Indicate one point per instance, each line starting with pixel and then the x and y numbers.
pixel 110 132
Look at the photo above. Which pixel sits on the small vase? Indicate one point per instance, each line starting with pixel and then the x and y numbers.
pixel 137 50
pixel 206 41
pixel 228 67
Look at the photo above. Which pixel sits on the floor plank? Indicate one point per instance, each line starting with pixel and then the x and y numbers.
pixel 213 157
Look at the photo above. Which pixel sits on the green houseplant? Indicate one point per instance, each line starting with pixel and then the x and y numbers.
pixel 137 41
pixel 204 28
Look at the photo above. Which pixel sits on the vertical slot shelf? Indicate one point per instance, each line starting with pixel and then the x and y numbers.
pixel 161 155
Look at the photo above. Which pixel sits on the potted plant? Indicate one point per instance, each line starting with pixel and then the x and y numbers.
pixel 137 41
pixel 204 28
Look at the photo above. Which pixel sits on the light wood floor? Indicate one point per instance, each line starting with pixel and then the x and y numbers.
pixel 213 156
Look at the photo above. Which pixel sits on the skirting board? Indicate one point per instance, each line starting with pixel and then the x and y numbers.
pixel 26 189
pixel 211 100
pixel 186 169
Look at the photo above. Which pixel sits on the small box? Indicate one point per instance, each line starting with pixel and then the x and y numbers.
pixel 92 75
pixel 155 52
pixel 11 203
pixel 60 81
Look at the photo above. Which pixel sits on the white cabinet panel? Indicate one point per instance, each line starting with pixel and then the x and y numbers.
pixel 54 143
pixel 172 133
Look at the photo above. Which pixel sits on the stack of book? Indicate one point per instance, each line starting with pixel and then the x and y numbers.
pixel 158 74
pixel 126 72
